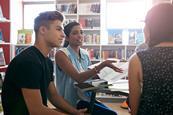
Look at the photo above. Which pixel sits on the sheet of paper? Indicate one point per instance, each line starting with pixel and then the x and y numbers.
pixel 120 85
pixel 112 76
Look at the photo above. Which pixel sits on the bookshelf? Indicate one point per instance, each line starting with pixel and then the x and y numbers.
pixel 87 13
pixel 5 32
pixel 122 42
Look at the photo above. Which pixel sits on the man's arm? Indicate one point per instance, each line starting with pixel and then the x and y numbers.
pixel 34 104
pixel 59 102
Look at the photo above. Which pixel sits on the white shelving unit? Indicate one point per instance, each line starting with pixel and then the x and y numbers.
pixel 87 12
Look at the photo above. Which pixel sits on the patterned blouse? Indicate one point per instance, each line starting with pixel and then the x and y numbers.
pixel 157 92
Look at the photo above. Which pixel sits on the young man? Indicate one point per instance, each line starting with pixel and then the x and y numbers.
pixel 29 78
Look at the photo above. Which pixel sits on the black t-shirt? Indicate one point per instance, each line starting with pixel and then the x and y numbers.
pixel 30 69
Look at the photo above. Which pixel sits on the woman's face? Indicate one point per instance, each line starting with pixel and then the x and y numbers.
pixel 76 36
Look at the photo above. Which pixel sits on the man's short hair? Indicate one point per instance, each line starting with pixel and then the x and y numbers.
pixel 44 18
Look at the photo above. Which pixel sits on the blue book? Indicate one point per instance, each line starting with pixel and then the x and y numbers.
pixel 1 36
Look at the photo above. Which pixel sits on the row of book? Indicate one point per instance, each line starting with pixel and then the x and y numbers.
pixel 93 53
pixel 24 36
pixel 90 23
pixel 67 8
pixel 129 53
pixel 71 8
pixel 92 38
pixel 1 36
pixel 89 8
pixel 129 36
pixel 107 54
pixel 116 53
pixel 68 21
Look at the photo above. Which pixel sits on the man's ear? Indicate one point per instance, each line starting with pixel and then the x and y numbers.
pixel 42 29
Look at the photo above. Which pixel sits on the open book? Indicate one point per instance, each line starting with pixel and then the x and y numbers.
pixel 107 76
pixel 110 75
pixel 90 87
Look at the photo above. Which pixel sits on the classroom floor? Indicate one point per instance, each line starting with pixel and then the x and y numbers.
pixel 117 108
pixel 114 106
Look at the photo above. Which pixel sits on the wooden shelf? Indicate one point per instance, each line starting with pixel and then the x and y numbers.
pixel 5 43
pixel 4 20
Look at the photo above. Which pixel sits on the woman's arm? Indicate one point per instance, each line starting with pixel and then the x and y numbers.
pixel 135 78
pixel 64 63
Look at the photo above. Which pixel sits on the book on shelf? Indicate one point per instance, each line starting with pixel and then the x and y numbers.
pixel 115 36
pixel 93 53
pixel 136 36
pixel 24 36
pixel 139 38
pixel 1 36
pixel 68 21
pixel 67 8
pixel 89 8
pixel 132 37
pixel 91 38
pixel 19 49
pixel 130 52
pixel 2 58
pixel 117 54
pixel 89 23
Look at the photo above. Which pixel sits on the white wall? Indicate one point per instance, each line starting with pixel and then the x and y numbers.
pixel 159 1
pixel 15 18
pixel 16 22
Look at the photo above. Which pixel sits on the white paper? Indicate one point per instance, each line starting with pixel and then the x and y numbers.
pixel 112 76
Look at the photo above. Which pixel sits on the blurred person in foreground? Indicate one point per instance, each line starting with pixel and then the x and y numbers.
pixel 151 71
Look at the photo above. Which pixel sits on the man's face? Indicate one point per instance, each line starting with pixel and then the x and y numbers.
pixel 54 35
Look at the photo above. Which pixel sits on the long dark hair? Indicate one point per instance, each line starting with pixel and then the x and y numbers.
pixel 67 31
